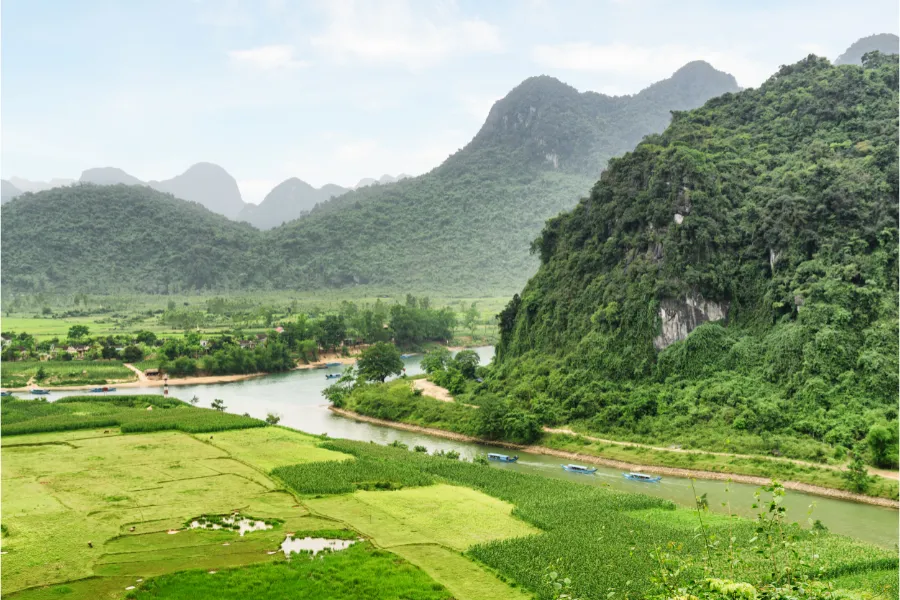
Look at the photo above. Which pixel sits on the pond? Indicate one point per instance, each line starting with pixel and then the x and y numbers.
pixel 297 397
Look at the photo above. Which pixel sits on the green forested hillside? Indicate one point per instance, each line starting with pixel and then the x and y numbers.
pixel 775 208
pixel 101 238
pixel 465 227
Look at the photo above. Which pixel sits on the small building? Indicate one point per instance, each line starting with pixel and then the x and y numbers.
pixel 261 338
pixel 151 372
pixel 247 344
pixel 204 343
pixel 279 330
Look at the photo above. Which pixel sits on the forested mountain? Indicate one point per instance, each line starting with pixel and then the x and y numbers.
pixel 27 185
pixel 8 191
pixel 732 278
pixel 287 201
pixel 886 43
pixel 464 227
pixel 467 224
pixel 126 238
pixel 367 181
pixel 108 176
pixel 206 183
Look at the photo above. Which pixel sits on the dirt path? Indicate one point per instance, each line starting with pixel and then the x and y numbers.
pixel 882 472
pixel 138 372
pixel 689 473
pixel 204 380
pixel 432 390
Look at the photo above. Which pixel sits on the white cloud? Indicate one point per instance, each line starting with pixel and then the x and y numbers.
pixel 649 63
pixel 268 57
pixel 392 33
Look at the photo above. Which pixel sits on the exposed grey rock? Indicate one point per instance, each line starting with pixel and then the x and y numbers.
pixel 680 317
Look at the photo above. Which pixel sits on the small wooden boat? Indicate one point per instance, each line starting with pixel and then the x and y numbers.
pixel 96 390
pixel 406 355
pixel 580 469
pixel 642 477
pixel 502 457
pixel 109 389
pixel 39 392
pixel 332 375
pixel 333 364
pixel 5 394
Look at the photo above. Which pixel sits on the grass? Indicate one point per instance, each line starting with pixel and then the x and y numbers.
pixel 360 571
pixel 271 447
pixel 59 373
pixel 129 413
pixel 465 578
pixel 452 516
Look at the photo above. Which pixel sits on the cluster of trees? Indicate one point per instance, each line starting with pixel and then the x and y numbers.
pixel 779 204
pixel 451 372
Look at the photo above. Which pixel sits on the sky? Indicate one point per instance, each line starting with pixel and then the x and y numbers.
pixel 332 91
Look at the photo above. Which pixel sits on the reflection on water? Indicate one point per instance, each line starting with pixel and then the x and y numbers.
pixel 313 545
pixel 297 397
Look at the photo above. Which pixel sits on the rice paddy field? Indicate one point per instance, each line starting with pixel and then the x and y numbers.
pixel 17 374
pixel 105 512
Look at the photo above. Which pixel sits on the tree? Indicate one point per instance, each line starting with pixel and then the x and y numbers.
pixel 78 332
pixel 218 405
pixel 882 442
pixel 470 318
pixel 467 361
pixel 272 419
pixel 147 338
pixel 332 331
pixel 41 373
pixel 379 361
pixel 132 354
pixel 436 360
pixel 856 474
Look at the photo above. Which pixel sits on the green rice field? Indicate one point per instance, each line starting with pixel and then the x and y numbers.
pixel 76 372
pixel 102 512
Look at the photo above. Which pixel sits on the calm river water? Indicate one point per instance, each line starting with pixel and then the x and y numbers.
pixel 296 396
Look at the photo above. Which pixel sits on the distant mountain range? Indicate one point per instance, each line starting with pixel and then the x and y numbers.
pixel 213 187
pixel 886 43
pixel 464 227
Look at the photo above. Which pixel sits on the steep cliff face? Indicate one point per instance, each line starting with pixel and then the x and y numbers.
pixel 680 317
pixel 744 212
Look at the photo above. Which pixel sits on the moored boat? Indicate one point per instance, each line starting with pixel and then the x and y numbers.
pixel 333 364
pixel 95 390
pixel 39 392
pixel 332 375
pixel 502 457
pixel 5 393
pixel 109 389
pixel 407 355
pixel 580 469
pixel 642 477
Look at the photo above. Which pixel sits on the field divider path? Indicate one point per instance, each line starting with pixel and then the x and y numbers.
pixel 608 462
pixel 140 374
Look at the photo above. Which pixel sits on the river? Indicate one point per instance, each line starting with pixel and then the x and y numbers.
pixel 296 396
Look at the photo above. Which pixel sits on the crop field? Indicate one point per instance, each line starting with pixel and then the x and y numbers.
pixel 76 372
pixel 129 413
pixel 271 447
pixel 91 512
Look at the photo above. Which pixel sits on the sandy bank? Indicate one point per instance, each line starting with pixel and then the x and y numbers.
pixel 585 458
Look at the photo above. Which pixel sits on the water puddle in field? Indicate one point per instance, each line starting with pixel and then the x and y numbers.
pixel 313 545
pixel 234 523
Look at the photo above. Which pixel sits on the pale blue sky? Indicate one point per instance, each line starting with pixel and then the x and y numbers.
pixel 333 91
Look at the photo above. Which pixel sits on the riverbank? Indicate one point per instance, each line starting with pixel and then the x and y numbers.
pixel 661 470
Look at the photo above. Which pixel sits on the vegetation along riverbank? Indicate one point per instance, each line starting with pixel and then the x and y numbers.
pixel 130 529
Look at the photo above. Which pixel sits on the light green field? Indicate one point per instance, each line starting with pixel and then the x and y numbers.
pixel 71 499
pixel 453 516
pixel 75 372
pixel 463 577
pixel 269 447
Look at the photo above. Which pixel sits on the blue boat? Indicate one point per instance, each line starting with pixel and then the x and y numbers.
pixel 407 355
pixel 4 394
pixel 333 364
pixel 39 392
pixel 332 375
pixel 642 477
pixel 580 469
pixel 502 457
pixel 96 390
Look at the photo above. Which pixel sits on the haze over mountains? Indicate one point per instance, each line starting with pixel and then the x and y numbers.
pixel 886 43
pixel 466 225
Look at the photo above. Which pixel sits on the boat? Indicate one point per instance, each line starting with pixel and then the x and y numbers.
pixel 109 389
pixel 5 394
pixel 39 392
pixel 502 457
pixel 580 469
pixel 642 477
pixel 407 355
pixel 95 390
pixel 333 364
pixel 332 375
